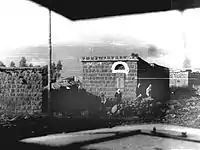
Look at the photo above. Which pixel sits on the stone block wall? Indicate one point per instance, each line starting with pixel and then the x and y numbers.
pixel 131 80
pixel 98 76
pixel 20 90
pixel 179 78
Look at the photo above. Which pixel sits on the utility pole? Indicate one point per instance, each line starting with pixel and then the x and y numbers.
pixel 49 66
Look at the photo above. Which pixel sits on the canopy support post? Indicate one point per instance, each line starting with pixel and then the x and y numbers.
pixel 49 66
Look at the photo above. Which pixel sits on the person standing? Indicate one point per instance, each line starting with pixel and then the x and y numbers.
pixel 149 91
pixel 139 92
pixel 118 96
pixel 103 98
pixel 103 101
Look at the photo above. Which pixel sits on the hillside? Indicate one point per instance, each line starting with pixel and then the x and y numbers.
pixel 70 55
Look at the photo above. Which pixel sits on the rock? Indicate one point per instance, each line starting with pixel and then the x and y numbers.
pixel 171 107
pixel 173 115
pixel 158 103
pixel 114 109
pixel 188 103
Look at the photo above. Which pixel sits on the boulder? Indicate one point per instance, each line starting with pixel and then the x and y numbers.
pixel 114 109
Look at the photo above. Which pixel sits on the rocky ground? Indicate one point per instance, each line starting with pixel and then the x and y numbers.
pixel 184 112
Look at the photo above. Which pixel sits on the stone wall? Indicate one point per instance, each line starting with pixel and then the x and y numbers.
pixel 131 80
pixel 20 90
pixel 179 78
pixel 194 78
pixel 98 76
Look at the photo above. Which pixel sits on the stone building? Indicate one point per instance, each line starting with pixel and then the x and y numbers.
pixel 109 73
pixel 20 90
pixel 157 76
pixel 180 78
pixel 195 81
pixel 184 82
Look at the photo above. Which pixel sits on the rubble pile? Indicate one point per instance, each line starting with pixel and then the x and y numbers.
pixel 184 112
pixel 142 110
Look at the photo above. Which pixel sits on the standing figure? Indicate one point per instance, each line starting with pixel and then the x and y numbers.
pixel 149 91
pixel 103 101
pixel 139 91
pixel 118 96
pixel 103 98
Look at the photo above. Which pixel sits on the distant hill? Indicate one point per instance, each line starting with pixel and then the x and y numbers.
pixel 70 55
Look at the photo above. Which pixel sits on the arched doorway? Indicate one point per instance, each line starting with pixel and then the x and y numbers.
pixel 120 69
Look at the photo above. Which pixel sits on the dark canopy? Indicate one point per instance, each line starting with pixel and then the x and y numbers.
pixel 89 9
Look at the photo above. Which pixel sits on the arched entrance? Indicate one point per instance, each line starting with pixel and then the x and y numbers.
pixel 120 69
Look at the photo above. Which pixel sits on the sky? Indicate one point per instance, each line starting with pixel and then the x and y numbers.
pixel 25 24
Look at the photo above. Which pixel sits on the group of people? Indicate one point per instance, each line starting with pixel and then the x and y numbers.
pixel 142 92
pixel 117 97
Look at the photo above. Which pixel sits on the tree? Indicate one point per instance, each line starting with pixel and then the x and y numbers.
pixel 134 54
pixel 2 64
pixel 22 62
pixel 45 75
pixel 30 65
pixel 37 66
pixel 12 64
pixel 53 67
pixel 55 74
pixel 59 66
